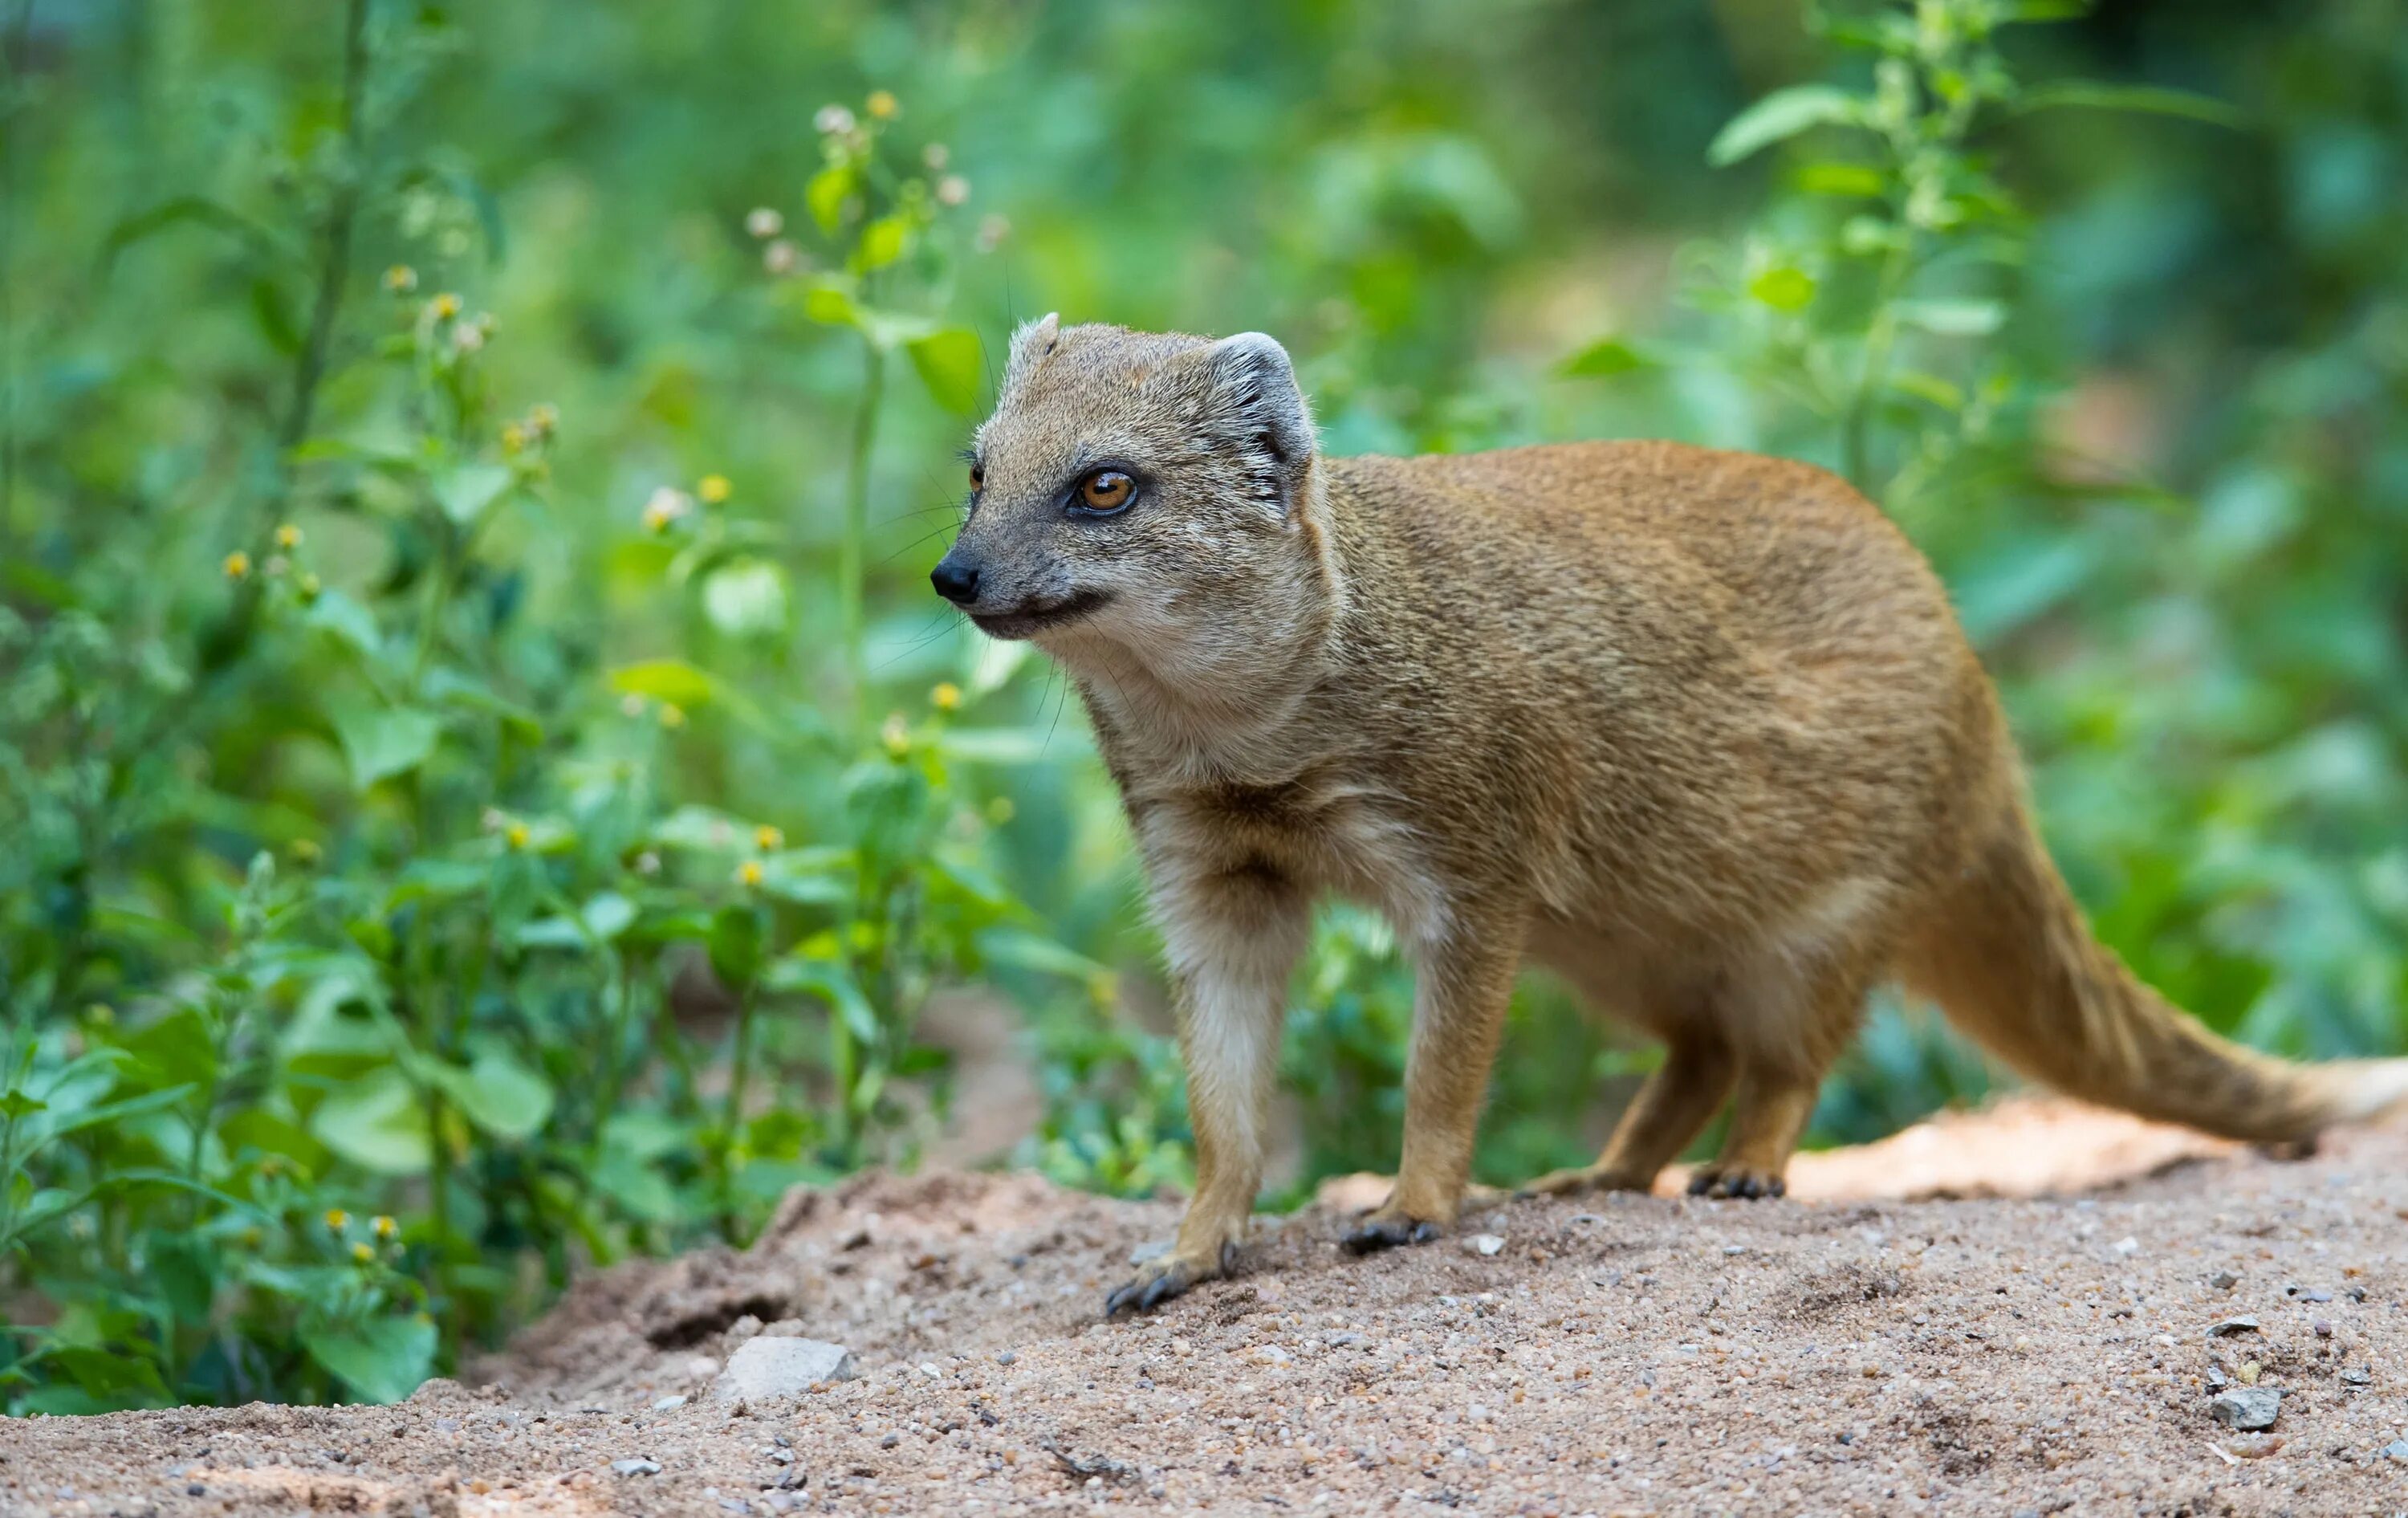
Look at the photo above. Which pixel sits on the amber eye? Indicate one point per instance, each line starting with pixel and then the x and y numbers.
pixel 978 477
pixel 1106 490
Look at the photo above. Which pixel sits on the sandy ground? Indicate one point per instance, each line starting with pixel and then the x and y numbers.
pixel 2008 1352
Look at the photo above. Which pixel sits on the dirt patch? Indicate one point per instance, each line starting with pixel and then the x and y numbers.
pixel 1626 1355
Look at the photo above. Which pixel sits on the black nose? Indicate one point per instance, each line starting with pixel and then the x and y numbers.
pixel 956 582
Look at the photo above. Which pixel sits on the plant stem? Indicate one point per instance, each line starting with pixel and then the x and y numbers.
pixel 850 589
pixel 739 1057
pixel 342 214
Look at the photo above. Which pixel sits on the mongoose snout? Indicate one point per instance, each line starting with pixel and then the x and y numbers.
pixel 1696 729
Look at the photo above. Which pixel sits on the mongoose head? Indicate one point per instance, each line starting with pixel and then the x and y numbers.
pixel 1137 493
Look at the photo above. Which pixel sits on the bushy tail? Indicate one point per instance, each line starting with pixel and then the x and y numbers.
pixel 2007 954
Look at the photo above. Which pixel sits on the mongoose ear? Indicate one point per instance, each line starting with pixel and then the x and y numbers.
pixel 1030 346
pixel 1254 396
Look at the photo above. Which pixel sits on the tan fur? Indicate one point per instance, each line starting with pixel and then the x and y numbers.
pixel 1697 729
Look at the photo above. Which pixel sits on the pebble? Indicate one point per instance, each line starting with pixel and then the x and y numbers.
pixel 2247 1407
pixel 1006 1357
pixel 2245 1324
pixel 2357 1375
pixel 2397 1450
pixel 635 1467
pixel 2224 1280
pixel 762 1369
pixel 1487 1243
pixel 665 1403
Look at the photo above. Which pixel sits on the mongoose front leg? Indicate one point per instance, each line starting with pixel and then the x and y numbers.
pixel 1232 941
pixel 1669 1110
pixel 1767 1116
pixel 1458 1014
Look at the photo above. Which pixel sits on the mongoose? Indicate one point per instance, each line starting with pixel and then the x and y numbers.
pixel 1697 729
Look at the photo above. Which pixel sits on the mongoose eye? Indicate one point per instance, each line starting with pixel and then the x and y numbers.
pixel 978 477
pixel 1106 490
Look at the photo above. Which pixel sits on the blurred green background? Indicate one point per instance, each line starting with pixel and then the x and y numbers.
pixel 484 788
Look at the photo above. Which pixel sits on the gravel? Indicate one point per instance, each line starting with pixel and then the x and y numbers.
pixel 1876 1357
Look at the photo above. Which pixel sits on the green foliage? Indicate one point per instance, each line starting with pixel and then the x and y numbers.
pixel 489 794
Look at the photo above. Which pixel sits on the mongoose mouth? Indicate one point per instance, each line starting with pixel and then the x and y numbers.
pixel 1035 617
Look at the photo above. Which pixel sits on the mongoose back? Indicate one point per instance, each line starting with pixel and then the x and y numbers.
pixel 1697 729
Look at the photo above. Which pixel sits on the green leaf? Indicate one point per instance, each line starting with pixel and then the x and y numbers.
pixel 376 1122
pixel 1604 357
pixel 2146 98
pixel 736 946
pixel 348 620
pixel 826 195
pixel 383 1360
pixel 1784 287
pixel 381 742
pixel 831 306
pixel 1951 317
pixel 883 242
pixel 468 491
pixel 1032 952
pixel 745 598
pixel 500 1094
pixel 1779 116
pixel 831 981
pixel 1844 180
pixel 952 365
pixel 673 681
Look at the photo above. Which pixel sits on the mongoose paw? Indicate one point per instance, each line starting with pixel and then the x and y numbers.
pixel 1749 1185
pixel 1388 1230
pixel 1164 1278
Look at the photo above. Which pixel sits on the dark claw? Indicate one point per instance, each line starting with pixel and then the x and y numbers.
pixel 1388 1233
pixel 1743 1186
pixel 1150 1293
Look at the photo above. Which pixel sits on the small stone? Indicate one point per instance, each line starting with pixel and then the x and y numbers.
pixel 928 1369
pixel 890 1441
pixel 2322 1329
pixel 1006 1357
pixel 2357 1375
pixel 2224 1280
pixel 2397 1450
pixel 2126 1247
pixel 2318 1295
pixel 665 1403
pixel 635 1467
pixel 2245 1324
pixel 196 1489
pixel 763 1368
pixel 1487 1243
pixel 2246 1407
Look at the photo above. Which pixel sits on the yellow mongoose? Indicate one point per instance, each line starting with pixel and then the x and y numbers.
pixel 1698 729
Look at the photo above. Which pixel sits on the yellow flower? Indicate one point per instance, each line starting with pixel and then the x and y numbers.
pixel 544 417
pixel 363 1254
pixel 386 1227
pixel 882 105
pixel 337 1219
pixel 516 835
pixel 514 438
pixel 306 851
pixel 714 489
pixel 947 697
pixel 238 565
pixel 287 536
pixel 748 872
pixel 672 715
pixel 446 305
pixel 765 837
pixel 401 278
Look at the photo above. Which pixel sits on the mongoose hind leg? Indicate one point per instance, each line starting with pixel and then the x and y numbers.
pixel 1458 1014
pixel 1768 1115
pixel 1668 1112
